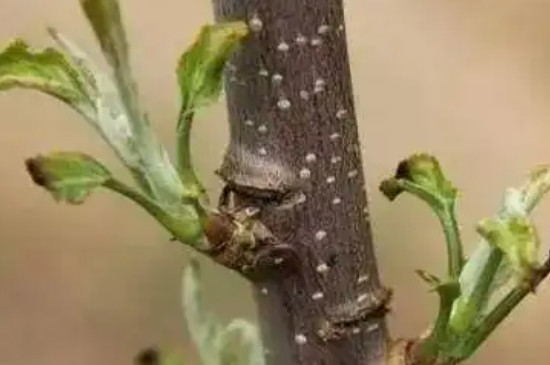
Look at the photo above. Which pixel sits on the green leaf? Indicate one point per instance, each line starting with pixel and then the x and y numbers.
pixel 240 344
pixel 45 70
pixel 488 271
pixel 517 238
pixel 105 18
pixel 69 176
pixel 200 74
pixel 72 176
pixel 200 68
pixel 139 149
pixel 536 187
pixel 106 21
pixel 235 344
pixel 202 327
pixel 155 169
pixel 421 176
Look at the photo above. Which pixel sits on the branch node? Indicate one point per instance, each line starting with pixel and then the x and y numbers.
pixel 351 316
pixel 242 243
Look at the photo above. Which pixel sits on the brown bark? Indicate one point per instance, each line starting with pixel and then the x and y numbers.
pixel 294 156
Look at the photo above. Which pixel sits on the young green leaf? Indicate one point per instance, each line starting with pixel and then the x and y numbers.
pixel 139 148
pixel 202 327
pixel 72 176
pixel 200 74
pixel 105 18
pixel 488 270
pixel 237 343
pixel 106 21
pixel 536 187
pixel 517 238
pixel 71 77
pixel 421 176
pixel 200 68
pixel 45 70
pixel 240 344
pixel 68 176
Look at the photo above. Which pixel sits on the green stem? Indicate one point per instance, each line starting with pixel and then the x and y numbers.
pixel 470 309
pixel 444 209
pixel 185 122
pixel 481 332
pixel 455 254
pixel 490 322
pixel 430 348
pixel 185 227
pixel 184 159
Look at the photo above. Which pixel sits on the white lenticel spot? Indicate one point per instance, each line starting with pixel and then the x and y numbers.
pixel 362 297
pixel 262 151
pixel 264 291
pixel 304 94
pixel 331 179
pixel 317 295
pixel 283 47
pixel 334 136
pixel 323 28
pixel 322 268
pixel 320 235
pixel 316 41
pixel 311 157
pixel 341 27
pixel 305 173
pixel 319 86
pixel 372 327
pixel 362 279
pixel 353 173
pixel 278 260
pixel 300 339
pixel 276 78
pixel 341 114
pixel 335 159
pixel 262 129
pixel 263 72
pixel 356 330
pixel 283 104
pixel 255 24
pixel 249 122
pixel 301 39
pixel 336 201
pixel 301 198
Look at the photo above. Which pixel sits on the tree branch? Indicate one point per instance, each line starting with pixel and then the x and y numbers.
pixel 294 157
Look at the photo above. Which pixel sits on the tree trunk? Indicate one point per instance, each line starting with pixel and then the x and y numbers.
pixel 295 155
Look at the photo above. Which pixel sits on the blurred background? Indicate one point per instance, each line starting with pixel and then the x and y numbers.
pixel 466 80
